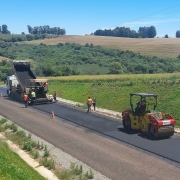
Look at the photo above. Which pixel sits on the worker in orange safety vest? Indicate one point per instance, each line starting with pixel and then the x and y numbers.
pixel 89 103
pixel 26 98
pixel 45 87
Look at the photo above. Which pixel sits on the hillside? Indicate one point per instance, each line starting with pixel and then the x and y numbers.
pixel 112 92
pixel 160 47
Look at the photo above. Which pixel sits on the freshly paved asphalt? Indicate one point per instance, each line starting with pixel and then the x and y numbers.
pixel 168 148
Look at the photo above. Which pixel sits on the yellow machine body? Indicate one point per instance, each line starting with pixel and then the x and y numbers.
pixel 155 124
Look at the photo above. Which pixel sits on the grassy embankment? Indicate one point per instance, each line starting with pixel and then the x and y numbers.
pixel 13 167
pixel 112 91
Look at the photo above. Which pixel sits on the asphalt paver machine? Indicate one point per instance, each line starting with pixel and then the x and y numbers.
pixel 24 81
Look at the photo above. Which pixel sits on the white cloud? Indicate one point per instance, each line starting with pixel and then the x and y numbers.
pixel 148 22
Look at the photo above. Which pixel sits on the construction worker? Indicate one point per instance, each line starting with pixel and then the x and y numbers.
pixel 26 100
pixel 45 87
pixel 89 103
pixel 141 107
pixel 94 103
pixel 55 95
pixel 33 97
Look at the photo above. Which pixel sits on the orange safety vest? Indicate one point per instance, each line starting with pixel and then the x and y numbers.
pixel 46 84
pixel 25 97
pixel 90 101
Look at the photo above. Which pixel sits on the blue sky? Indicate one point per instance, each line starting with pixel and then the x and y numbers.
pixel 80 17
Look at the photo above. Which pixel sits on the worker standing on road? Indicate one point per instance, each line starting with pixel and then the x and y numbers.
pixel 94 103
pixel 89 103
pixel 26 100
pixel 55 95
pixel 33 97
pixel 45 87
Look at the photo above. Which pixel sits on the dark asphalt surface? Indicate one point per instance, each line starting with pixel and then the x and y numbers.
pixel 168 148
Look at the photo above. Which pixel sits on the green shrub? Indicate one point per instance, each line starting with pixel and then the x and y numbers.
pixel 21 133
pixel 38 145
pixel 14 127
pixel 49 163
pixel 29 136
pixel 35 154
pixel 27 146
pixel 64 175
pixel 3 120
pixel 46 153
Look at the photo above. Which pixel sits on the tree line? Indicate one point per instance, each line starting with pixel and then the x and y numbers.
pixel 143 32
pixel 25 37
pixel 37 30
pixel 46 30
pixel 75 59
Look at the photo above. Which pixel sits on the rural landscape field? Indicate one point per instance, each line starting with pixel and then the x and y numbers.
pixel 160 47
pixel 112 91
pixel 90 90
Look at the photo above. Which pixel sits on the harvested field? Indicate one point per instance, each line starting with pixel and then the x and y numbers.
pixel 160 47
pixel 3 58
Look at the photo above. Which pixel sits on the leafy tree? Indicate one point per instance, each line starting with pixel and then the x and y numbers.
pixel 66 71
pixel 143 31
pixel 46 30
pixel 151 32
pixel 29 37
pixel 30 29
pixel 5 29
pixel 166 36
pixel 115 68
pixel 147 32
pixel 178 34
pixel 48 70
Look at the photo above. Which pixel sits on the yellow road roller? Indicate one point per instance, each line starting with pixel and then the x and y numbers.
pixel 143 116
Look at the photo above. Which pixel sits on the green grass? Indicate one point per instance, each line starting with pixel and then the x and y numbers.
pixel 12 167
pixel 112 92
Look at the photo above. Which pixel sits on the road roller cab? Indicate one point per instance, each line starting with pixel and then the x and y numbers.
pixel 143 116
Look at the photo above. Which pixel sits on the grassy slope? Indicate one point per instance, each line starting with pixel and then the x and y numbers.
pixel 113 94
pixel 12 167
pixel 160 47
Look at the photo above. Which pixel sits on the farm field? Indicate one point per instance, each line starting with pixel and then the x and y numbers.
pixel 112 92
pixel 3 58
pixel 160 47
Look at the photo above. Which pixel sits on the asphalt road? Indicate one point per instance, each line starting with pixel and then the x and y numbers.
pixel 107 157
pixel 168 148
